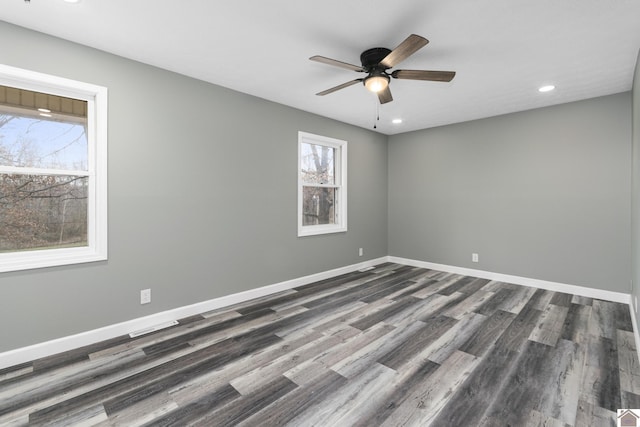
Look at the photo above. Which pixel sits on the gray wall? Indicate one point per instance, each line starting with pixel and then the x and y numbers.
pixel 202 197
pixel 542 194
pixel 635 190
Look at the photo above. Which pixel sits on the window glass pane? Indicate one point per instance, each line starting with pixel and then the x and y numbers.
pixel 41 142
pixel 318 205
pixel 39 211
pixel 317 164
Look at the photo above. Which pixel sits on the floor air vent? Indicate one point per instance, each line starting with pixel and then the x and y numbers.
pixel 153 328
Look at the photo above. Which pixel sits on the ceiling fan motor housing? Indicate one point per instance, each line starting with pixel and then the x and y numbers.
pixel 370 58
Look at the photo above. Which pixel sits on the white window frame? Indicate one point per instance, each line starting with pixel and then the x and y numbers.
pixel 96 97
pixel 340 171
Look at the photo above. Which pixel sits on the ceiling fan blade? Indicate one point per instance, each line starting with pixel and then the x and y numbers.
pixel 404 50
pixel 336 63
pixel 436 76
pixel 385 96
pixel 342 86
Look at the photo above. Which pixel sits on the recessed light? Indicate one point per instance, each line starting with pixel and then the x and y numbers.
pixel 72 1
pixel 547 88
pixel 44 110
pixel 396 121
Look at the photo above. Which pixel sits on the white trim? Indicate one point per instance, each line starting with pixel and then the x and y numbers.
pixel 518 280
pixel 340 185
pixel 41 171
pixel 634 322
pixel 96 97
pixel 48 348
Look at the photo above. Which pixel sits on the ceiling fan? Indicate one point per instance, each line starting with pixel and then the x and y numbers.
pixel 377 61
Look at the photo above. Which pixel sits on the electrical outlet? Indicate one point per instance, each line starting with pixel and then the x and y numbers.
pixel 145 296
pixel 360 252
pixel 474 257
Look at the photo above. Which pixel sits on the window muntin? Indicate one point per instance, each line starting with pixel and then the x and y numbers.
pixel 52 171
pixel 321 185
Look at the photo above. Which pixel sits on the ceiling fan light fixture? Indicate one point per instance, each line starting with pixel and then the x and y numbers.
pixel 376 82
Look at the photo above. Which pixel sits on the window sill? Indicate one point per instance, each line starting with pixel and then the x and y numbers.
pixel 314 230
pixel 28 260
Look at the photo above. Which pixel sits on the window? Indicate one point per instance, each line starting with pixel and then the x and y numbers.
pixel 53 171
pixel 322 185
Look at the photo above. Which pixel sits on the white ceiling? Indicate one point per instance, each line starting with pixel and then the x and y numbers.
pixel 502 50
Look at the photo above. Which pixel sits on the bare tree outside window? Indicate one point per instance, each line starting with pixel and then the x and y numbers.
pixel 43 183
pixel 322 190
pixel 318 200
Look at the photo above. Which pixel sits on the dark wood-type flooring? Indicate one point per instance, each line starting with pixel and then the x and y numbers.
pixel 393 346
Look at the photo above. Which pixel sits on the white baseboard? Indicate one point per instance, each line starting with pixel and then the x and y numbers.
pixel 49 348
pixel 518 280
pixel 534 283
pixel 634 322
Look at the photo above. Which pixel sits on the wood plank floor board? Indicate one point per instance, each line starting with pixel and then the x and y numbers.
pixel 493 326
pixel 593 415
pixel 285 409
pixel 200 386
pixel 307 290
pixel 425 335
pixel 601 380
pixel 419 285
pixel 379 316
pixel 542 366
pixel 132 389
pixel 457 285
pixel 431 307
pixel 515 336
pixel 368 355
pixel 495 302
pixel 236 410
pixel 364 290
pixel 449 341
pixel 305 297
pixel 628 363
pixel 561 299
pixel 402 388
pixel 473 286
pixel 217 327
pixel 144 412
pixel 629 400
pixel 355 315
pixel 474 397
pixel 259 377
pixel 349 402
pixel 435 288
pixel 469 304
pixel 452 301
pixel 559 400
pixel 573 328
pixel 577 299
pixel 424 403
pixel 330 356
pixel 550 325
pixel 396 345
pixel 388 290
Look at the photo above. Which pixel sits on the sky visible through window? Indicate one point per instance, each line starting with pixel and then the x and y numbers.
pixel 42 143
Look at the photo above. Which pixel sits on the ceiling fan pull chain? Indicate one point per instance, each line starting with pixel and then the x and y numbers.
pixel 375 121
